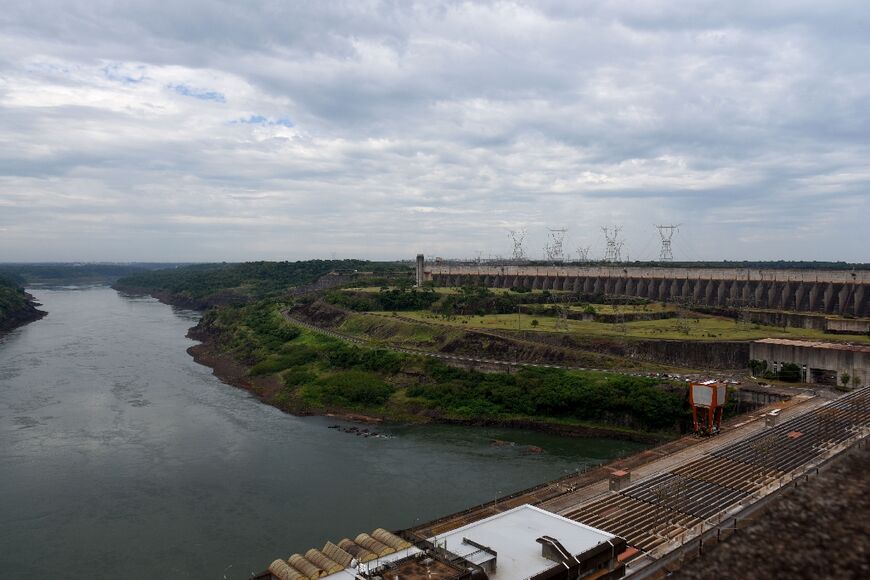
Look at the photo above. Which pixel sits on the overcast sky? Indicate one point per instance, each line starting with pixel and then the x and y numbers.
pixel 197 130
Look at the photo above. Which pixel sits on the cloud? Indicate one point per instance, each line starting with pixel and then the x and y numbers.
pixel 209 130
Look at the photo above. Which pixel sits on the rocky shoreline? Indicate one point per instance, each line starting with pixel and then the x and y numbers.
pixel 24 315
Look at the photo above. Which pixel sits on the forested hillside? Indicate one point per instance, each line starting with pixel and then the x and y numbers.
pixel 208 284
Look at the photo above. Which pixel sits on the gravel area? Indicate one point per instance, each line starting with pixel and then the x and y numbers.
pixel 819 530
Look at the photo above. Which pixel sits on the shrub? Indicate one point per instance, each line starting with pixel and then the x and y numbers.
pixel 349 389
pixel 297 377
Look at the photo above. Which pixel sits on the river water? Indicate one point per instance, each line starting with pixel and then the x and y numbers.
pixel 122 458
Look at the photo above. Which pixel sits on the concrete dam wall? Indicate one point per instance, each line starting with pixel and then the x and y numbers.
pixel 842 292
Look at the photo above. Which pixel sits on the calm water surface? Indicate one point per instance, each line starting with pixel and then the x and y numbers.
pixel 122 458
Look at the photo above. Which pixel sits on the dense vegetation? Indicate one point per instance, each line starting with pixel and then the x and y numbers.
pixel 402 298
pixel 240 282
pixel 318 373
pixel 614 399
pixel 11 296
pixel 15 307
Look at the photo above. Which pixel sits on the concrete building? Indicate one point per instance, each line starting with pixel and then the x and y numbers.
pixel 523 542
pixel 825 291
pixel 820 362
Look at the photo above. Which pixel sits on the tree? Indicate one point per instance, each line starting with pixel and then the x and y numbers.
pixel 844 378
pixel 535 323
pixel 856 381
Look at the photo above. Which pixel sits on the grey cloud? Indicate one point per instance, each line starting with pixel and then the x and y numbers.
pixel 383 128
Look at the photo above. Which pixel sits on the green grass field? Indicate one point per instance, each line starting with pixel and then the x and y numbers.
pixel 704 328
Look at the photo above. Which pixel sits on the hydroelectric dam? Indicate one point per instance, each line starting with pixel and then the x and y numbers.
pixel 835 292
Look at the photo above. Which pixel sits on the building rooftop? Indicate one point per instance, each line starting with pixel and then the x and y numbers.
pixel 815 344
pixel 513 535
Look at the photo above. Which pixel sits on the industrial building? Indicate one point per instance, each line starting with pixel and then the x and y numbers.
pixel 820 362
pixel 524 542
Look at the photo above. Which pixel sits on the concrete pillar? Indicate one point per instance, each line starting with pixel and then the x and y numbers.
pixel 813 298
pixel 773 294
pixel 758 297
pixel 843 299
pixel 828 299
pixel 786 297
pixel 859 308
pixel 697 291
pixel 419 271
pixel 707 296
pixel 743 291
pixel 630 287
pixel 620 286
pixel 577 284
pixel 800 295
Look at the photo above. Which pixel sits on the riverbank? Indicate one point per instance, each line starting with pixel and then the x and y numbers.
pixel 17 309
pixel 271 390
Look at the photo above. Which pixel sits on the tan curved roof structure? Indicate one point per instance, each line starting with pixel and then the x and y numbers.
pixel 323 562
pixel 357 551
pixel 390 539
pixel 371 544
pixel 336 554
pixel 308 569
pixel 280 569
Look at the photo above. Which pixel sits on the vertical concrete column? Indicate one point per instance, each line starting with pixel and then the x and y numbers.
pixel 828 298
pixel 743 291
pixel 620 286
pixel 843 299
pixel 773 295
pixel 696 290
pixel 786 298
pixel 858 301
pixel 721 292
pixel 630 287
pixel 597 286
pixel 758 295
pixel 419 271
pixel 799 296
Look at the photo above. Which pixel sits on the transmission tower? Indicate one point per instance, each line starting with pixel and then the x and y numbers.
pixel 614 245
pixel 666 233
pixel 583 254
pixel 554 246
pixel 518 238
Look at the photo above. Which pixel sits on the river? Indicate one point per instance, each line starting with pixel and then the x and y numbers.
pixel 120 457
